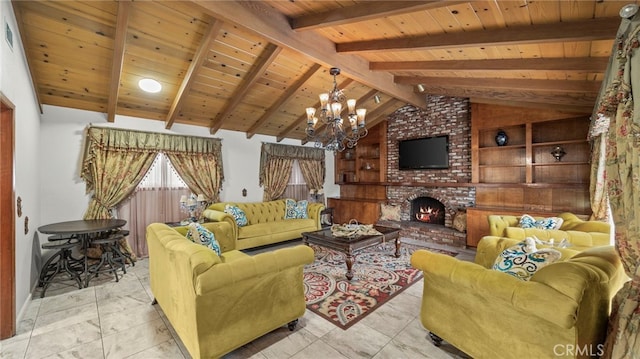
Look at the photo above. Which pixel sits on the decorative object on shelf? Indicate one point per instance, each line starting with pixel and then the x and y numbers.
pixel 558 152
pixel 19 206
pixel 244 192
pixel 26 225
pixel 193 205
pixel 348 155
pixel 501 138
pixel 334 136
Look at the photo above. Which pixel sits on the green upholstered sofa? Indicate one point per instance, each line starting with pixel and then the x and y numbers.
pixel 562 311
pixel 580 233
pixel 219 303
pixel 266 223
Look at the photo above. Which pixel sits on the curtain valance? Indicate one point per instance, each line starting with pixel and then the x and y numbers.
pixel 113 139
pixel 130 140
pixel 273 150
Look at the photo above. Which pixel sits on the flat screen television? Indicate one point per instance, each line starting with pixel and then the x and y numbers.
pixel 424 153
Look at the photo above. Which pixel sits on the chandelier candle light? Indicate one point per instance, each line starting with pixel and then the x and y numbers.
pixel 334 136
pixel 193 205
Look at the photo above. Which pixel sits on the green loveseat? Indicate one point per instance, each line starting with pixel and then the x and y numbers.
pixel 219 303
pixel 562 311
pixel 266 223
pixel 579 233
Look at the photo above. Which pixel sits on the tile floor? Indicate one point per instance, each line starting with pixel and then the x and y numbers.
pixel 117 320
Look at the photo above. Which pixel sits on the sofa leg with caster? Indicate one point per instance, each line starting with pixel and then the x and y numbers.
pixel 292 324
pixel 437 341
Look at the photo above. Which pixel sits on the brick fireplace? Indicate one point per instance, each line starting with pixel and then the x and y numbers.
pixel 448 189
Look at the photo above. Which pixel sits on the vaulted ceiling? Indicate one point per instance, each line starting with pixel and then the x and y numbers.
pixel 254 66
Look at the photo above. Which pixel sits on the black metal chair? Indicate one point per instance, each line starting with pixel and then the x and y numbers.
pixel 61 262
pixel 112 258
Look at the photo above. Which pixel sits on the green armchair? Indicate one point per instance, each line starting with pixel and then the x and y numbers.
pixel 561 312
pixel 219 303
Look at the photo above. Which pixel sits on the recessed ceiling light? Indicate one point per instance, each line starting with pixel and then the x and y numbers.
pixel 150 85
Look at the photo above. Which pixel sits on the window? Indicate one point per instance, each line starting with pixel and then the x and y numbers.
pixel 297 187
pixel 161 175
pixel 156 199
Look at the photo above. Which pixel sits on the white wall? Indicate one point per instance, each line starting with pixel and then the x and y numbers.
pixel 15 85
pixel 61 140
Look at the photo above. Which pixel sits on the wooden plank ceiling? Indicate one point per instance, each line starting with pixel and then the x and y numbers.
pixel 254 66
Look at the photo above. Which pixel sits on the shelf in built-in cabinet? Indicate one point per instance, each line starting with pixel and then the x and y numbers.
pixel 558 143
pixel 490 166
pixel 501 148
pixel 559 163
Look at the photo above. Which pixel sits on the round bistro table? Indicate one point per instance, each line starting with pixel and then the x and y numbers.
pixel 85 230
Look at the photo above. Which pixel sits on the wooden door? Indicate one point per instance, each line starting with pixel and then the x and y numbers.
pixel 7 220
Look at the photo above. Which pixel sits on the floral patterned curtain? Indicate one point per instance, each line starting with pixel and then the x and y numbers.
pixel 313 173
pixel 199 162
pixel 114 163
pixel 618 144
pixel 275 167
pixel 276 177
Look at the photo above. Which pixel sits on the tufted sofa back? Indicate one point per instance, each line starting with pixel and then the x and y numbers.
pixel 262 212
pixel 257 212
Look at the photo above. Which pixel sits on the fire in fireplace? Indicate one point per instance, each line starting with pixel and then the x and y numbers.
pixel 427 210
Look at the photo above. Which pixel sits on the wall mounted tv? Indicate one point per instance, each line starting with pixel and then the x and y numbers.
pixel 424 153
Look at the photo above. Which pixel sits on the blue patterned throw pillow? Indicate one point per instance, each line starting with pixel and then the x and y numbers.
pixel 238 215
pixel 526 221
pixel 198 234
pixel 295 209
pixel 523 260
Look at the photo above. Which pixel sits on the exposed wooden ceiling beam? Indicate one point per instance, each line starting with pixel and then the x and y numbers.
pixel 591 64
pixel 286 97
pixel 587 30
pixel 373 10
pixel 274 26
pixel 303 117
pixel 536 105
pixel 269 54
pixel 568 101
pixel 199 58
pixel 506 84
pixel 122 23
pixel 380 113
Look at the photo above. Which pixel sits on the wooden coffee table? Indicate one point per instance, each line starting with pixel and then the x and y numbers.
pixel 350 245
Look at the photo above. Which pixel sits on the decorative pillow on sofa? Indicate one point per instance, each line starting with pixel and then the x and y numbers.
pixel 238 215
pixel 198 234
pixel 295 209
pixel 526 221
pixel 523 260
pixel 389 212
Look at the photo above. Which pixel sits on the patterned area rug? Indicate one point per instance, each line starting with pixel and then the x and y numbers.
pixel 378 277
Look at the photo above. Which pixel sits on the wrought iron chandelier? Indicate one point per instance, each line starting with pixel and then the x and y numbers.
pixel 328 128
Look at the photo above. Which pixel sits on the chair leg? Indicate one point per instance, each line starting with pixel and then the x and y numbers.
pixel 292 324
pixel 437 341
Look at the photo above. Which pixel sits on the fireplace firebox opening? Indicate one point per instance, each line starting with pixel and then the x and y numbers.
pixel 427 210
